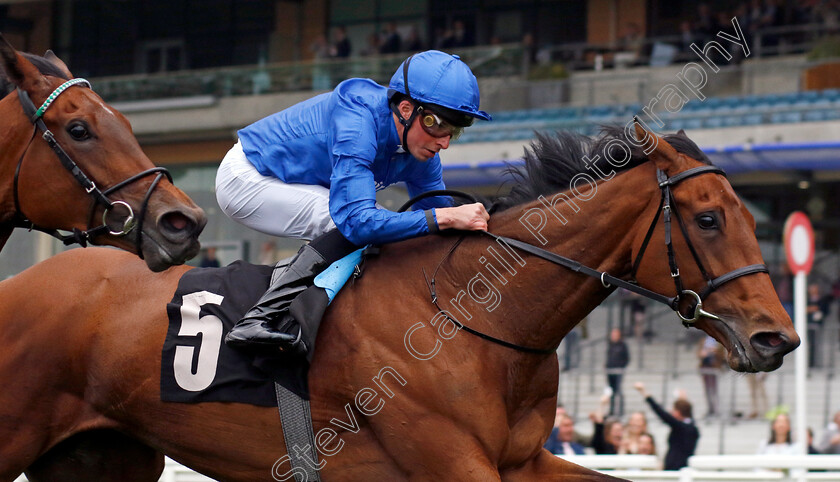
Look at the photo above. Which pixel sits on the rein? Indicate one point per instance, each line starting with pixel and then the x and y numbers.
pixel 100 197
pixel 607 280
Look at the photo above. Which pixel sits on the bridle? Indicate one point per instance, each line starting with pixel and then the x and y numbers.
pixel 712 284
pixel 666 208
pixel 100 197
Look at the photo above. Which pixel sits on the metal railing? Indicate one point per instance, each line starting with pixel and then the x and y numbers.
pixel 314 75
pixel 507 60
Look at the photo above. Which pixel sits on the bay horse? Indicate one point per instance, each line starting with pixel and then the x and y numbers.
pixel 397 392
pixel 109 179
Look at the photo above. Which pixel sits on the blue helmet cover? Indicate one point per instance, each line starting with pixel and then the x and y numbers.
pixel 436 77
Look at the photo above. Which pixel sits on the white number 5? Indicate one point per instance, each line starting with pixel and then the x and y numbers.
pixel 210 329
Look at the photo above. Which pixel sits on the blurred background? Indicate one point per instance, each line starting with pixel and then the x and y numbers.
pixel 189 73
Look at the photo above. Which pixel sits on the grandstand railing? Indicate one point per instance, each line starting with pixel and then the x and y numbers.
pixel 505 60
pixel 317 75
pixel 717 467
pixel 647 467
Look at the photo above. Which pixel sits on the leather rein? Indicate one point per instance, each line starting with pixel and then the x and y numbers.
pixel 99 197
pixel 666 209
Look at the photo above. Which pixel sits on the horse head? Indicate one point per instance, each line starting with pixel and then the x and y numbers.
pixel 717 261
pixel 109 179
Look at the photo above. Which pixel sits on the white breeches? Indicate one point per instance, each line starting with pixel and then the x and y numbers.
pixel 268 204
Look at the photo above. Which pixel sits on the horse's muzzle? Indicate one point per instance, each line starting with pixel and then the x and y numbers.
pixel 174 238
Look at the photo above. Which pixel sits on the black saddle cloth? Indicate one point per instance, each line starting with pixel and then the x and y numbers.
pixel 196 365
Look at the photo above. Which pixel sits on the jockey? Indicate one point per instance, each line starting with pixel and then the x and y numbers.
pixel 312 172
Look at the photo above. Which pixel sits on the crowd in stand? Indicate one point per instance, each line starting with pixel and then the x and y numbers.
pixel 614 433
pixel 611 436
pixel 756 19
pixel 392 41
pixel 753 16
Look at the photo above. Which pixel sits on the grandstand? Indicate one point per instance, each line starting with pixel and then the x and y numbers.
pixel 771 119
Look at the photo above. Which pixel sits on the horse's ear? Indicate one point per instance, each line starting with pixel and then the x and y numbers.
pixel 662 154
pixel 53 59
pixel 19 70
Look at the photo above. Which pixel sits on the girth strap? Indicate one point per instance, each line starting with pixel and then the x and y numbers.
pixel 296 420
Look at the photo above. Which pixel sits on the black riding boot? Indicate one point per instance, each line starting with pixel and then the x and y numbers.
pixel 268 324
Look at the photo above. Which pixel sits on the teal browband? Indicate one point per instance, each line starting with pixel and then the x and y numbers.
pixel 61 88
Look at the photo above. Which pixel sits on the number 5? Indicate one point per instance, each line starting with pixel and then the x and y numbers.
pixel 210 329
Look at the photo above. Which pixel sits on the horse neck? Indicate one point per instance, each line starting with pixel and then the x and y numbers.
pixel 543 301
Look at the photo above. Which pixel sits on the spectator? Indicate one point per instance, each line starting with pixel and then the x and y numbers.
pixel 647 445
pixel 571 347
pixel 561 440
pixel 618 356
pixel 758 394
pixel 209 259
pixel 682 441
pixel 606 434
pixel 638 312
pixel 633 41
pixel 742 15
pixel 413 43
pixel 830 441
pixel 443 38
pixel 341 46
pixel 710 353
pixel 530 48
pixel 828 14
pixel 783 282
pixel 705 23
pixel 811 449
pixel 393 42
pixel 373 45
pixel 817 311
pixel 687 36
pixel 460 36
pixel 780 441
pixel 319 48
pixel 633 431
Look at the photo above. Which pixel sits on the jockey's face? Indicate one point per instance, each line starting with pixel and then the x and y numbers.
pixel 422 145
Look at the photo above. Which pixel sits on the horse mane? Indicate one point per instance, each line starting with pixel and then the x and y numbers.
pixel 43 65
pixel 551 161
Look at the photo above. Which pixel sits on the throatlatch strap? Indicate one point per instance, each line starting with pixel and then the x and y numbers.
pixel 299 434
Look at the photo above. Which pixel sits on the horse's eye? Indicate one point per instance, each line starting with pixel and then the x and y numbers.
pixel 78 131
pixel 707 221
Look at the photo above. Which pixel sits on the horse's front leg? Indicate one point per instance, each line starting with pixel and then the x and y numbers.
pixel 548 467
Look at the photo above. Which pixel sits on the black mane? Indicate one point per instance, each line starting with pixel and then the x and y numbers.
pixel 551 161
pixel 43 65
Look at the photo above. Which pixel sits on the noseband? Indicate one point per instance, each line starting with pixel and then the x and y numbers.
pixel 666 208
pixel 99 197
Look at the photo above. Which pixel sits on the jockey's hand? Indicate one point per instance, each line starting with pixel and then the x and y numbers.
pixel 469 217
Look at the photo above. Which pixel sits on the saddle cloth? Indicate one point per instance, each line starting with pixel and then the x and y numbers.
pixel 196 365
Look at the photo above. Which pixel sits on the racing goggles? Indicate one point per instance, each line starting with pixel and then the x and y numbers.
pixel 437 127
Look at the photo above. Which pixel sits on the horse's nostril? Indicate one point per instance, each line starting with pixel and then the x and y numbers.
pixel 177 222
pixel 770 339
pixel 772 342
